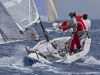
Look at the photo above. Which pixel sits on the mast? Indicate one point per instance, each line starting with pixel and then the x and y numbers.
pixel 44 31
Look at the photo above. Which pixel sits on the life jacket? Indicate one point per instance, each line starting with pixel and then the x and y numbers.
pixel 81 25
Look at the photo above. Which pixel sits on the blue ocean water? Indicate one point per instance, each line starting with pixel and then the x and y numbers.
pixel 14 62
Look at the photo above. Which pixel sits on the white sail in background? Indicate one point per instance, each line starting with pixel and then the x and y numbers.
pixel 58 10
pixel 10 31
pixel 49 11
pixel 54 9
pixel 60 7
pixel 23 12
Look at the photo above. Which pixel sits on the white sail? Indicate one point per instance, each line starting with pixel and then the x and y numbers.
pixel 10 31
pixel 60 9
pixel 57 8
pixel 54 9
pixel 49 11
pixel 23 12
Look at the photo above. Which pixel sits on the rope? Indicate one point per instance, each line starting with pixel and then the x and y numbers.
pixel 61 10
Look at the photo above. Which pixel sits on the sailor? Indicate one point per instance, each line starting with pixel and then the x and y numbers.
pixel 87 22
pixel 80 16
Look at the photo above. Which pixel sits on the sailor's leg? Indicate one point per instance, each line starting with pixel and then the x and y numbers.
pixel 71 46
pixel 82 34
pixel 77 41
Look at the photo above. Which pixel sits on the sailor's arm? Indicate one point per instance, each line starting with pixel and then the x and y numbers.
pixel 67 25
pixel 74 26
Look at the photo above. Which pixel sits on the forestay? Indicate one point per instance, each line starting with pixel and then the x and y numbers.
pixel 23 12
pixel 10 31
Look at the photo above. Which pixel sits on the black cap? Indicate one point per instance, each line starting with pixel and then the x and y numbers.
pixel 71 13
pixel 85 16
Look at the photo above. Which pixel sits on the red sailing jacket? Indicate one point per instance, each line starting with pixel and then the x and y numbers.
pixel 81 25
pixel 64 24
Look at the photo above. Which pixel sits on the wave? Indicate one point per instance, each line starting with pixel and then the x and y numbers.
pixel 95 30
pixel 56 70
pixel 52 30
pixel 16 60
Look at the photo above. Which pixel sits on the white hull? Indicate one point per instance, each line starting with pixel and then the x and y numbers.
pixel 52 54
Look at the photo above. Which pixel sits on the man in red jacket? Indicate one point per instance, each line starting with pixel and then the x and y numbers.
pixel 78 27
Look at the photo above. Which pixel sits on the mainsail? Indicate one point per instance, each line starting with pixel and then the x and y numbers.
pixel 8 28
pixel 23 12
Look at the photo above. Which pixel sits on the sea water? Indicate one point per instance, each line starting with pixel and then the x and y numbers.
pixel 14 62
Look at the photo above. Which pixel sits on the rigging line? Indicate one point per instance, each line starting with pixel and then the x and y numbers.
pixel 63 13
pixel 63 16
pixel 61 10
pixel 38 2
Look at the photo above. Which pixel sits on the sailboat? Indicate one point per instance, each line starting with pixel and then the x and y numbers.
pixel 24 14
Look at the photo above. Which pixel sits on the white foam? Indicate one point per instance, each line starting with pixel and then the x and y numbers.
pixel 90 60
pixel 50 30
